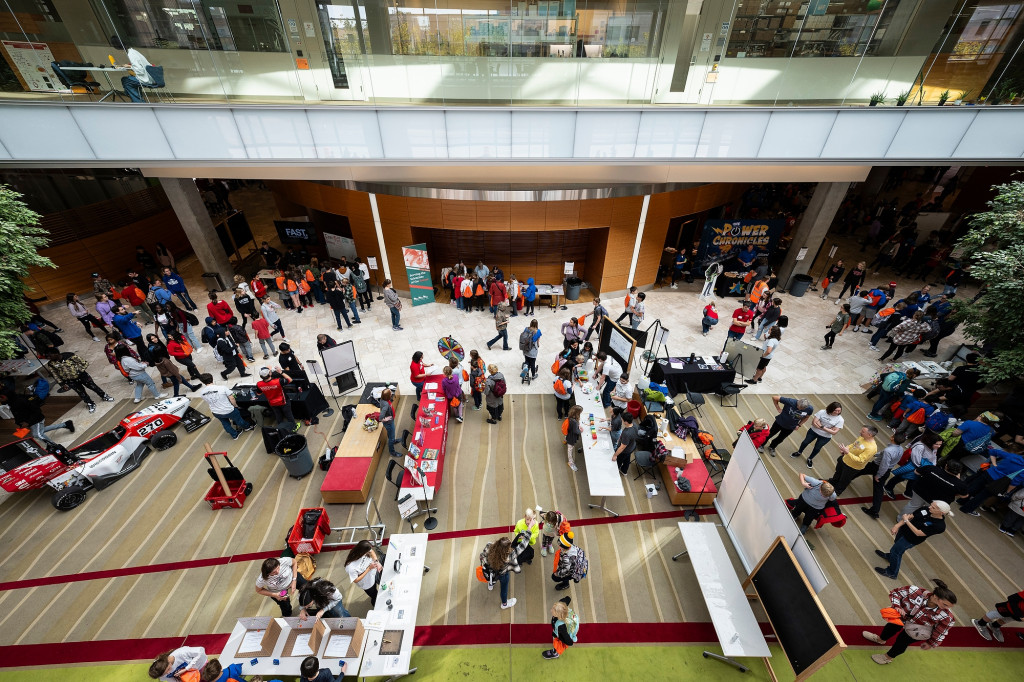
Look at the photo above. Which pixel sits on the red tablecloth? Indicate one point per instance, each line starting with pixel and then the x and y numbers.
pixel 434 436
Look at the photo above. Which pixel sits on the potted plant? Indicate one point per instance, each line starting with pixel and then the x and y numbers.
pixel 943 96
pixel 876 99
pixel 962 97
pixel 901 98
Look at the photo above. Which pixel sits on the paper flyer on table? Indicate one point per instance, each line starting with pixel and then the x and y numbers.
pixel 376 620
pixel 252 641
pixel 301 646
pixel 337 646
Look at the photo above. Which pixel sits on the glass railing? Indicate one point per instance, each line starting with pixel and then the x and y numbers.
pixel 533 52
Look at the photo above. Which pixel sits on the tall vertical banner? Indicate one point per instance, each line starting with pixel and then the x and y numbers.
pixel 417 269
pixel 723 239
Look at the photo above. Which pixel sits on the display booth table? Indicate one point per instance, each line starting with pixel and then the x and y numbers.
pixel 603 477
pixel 274 647
pixel 306 405
pixel 705 376
pixel 355 464
pixel 427 443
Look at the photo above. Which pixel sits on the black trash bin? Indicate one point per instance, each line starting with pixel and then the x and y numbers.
pixel 799 285
pixel 271 437
pixel 294 452
pixel 572 288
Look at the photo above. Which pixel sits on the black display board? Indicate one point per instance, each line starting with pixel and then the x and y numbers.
pixel 296 232
pixel 617 342
pixel 804 630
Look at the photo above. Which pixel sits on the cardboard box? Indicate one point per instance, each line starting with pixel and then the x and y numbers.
pixel 295 628
pixel 266 643
pixel 325 629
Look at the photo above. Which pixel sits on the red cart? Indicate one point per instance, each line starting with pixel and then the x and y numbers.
pixel 302 542
pixel 229 487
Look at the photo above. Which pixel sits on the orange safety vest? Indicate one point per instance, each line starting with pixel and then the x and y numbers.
pixel 292 287
pixel 280 282
pixel 759 288
pixel 309 276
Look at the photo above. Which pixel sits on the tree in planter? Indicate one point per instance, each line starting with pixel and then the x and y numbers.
pixel 994 248
pixel 20 241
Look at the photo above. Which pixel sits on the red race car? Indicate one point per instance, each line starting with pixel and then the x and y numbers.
pixel 98 462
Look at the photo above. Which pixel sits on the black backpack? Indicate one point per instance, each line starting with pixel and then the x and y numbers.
pixel 192 319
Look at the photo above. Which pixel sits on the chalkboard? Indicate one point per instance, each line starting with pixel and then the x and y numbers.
pixel 805 632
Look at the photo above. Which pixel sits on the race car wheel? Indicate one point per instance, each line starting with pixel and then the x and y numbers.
pixel 164 440
pixel 68 498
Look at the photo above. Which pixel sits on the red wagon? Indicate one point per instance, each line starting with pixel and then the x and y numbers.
pixel 229 488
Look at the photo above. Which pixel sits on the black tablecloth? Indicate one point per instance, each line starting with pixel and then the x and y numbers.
pixel 690 376
pixel 305 405
pixel 729 286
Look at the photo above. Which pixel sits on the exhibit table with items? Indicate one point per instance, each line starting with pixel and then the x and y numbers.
pixel 273 647
pixel 703 375
pixel 603 477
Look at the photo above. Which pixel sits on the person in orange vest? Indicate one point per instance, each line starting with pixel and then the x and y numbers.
pixel 282 289
pixel 760 286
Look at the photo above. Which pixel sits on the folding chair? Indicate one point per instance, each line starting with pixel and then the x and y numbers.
pixel 716 458
pixel 696 400
pixel 393 466
pixel 645 464
pixel 725 390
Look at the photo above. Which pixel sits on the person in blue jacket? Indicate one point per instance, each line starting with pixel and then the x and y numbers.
pixel 1004 476
pixel 529 295
pixel 175 284
pixel 125 323
pixel 213 671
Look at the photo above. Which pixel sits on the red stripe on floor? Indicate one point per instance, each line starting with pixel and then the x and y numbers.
pixel 121 650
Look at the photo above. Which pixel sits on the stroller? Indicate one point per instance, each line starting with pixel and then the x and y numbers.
pixel 524 375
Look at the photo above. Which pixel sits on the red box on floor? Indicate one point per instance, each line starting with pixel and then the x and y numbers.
pixel 303 545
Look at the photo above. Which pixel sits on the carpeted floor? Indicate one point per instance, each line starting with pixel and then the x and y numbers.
pixel 157 516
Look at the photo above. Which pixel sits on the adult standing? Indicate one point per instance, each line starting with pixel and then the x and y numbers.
pixel 418 372
pixel 82 314
pixel 853 281
pixel 497 294
pixel 831 277
pixel 269 310
pixel 336 299
pixel 627 444
pixel 857 459
pixel 678 266
pixel 623 391
pixel 176 285
pixel 826 424
pixel 137 372
pixel 792 413
pixel 532 335
pixel 936 482
pixel 837 327
pixel 905 335
pixel 219 310
pixel 639 312
pixel 514 289
pixel 770 318
pixel 71 371
pixel 451 386
pixel 387 418
pixel 105 308
pixel 181 351
pixel 770 346
pixel 364 568
pixel 224 407
pixel 394 305
pixel 227 349
pixel 501 316
pixel 610 371
pixel 271 385
pixel 164 256
pixel 245 303
pixel 571 331
pixel 271 256
pixel 494 393
pixel 28 415
pixel 136 297
pixel 278 580
pixel 185 322
pixel 365 295
pixel 499 562
pixel 125 323
pixel 885 462
pixel 741 318
pixel 925 617
pixel 911 531
pixel 597 321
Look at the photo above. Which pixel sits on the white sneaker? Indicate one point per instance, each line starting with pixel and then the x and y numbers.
pixel 490 586
pixel 511 602
pixel 197 349
pixel 159 396
pixel 674 286
pixel 874 348
pixel 137 401
pixel 543 551
pixel 96 339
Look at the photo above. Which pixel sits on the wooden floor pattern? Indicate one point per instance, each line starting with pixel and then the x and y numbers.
pixel 157 515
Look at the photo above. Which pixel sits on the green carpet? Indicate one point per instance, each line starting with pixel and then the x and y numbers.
pixel 503 664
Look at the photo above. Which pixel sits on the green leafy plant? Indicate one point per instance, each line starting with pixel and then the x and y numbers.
pixel 994 251
pixel 20 241
pixel 877 98
pixel 901 98
pixel 943 97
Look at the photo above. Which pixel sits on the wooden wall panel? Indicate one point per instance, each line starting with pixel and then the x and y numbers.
pixel 593 266
pixel 562 215
pixel 459 215
pixel 527 215
pixel 425 212
pixel 493 215
pixel 596 212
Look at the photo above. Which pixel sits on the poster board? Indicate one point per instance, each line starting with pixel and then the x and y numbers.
pixel 616 342
pixel 296 232
pixel 340 359
pixel 804 630
pixel 339 247
pixel 417 268
pixel 723 239
pixel 32 62
pixel 750 353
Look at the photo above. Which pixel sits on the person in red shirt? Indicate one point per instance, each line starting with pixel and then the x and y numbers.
pixel 134 295
pixel 263 335
pixel 710 317
pixel 497 293
pixel 741 318
pixel 418 372
pixel 271 385
pixel 258 288
pixel 219 310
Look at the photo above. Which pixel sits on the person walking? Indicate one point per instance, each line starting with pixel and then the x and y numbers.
pixel 364 568
pixel 278 580
pixel 176 285
pixel 597 319
pixel 336 299
pixel 87 319
pixel 499 562
pixel 240 337
pixel 137 372
pixel 565 625
pixel 501 316
pixel 451 386
pixel 629 303
pixel 224 408
pixel 228 351
pixel 495 394
pixel 394 305
pixel 905 335
pixel 160 356
pixel 741 318
pixel 921 616
pixel 853 281
pixel 639 312
pixel 812 500
pixel 263 335
pixel 831 277
pixel 857 459
pixel 989 626
pixel 269 310
pixel 70 371
pixel 837 327
pixel 387 418
pixel 530 338
pixel 825 424
pixel 770 346
pixel 792 413
pixel 911 531
pixel 885 461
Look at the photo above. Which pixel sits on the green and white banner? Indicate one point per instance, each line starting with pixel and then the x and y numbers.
pixel 417 268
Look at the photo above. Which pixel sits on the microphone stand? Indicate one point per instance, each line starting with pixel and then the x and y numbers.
pixel 430 523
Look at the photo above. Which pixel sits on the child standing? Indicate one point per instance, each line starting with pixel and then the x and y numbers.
pixel 529 528
pixel 565 625
pixel 571 430
pixel 552 524
pixel 812 500
pixel 312 671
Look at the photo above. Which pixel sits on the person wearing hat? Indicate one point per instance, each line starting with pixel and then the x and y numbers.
pixel 271 384
pixel 565 559
pixel 911 531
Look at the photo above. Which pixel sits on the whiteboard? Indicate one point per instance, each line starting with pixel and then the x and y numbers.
pixel 741 465
pixel 622 345
pixel 340 359
pixel 751 356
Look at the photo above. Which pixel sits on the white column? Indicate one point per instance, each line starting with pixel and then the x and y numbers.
pixel 639 238
pixel 380 237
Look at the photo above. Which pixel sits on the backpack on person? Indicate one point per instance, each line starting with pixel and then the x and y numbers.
pixel 526 340
pixel 894 382
pixel 937 421
pixel 571 623
pixel 192 319
pixel 41 389
pixel 560 387
pixel 499 388
pixel 357 280
pixel 580 565
pixel 933 331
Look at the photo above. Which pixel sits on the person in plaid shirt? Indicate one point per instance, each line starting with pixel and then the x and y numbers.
pixel 904 336
pixel 71 372
pixel 926 618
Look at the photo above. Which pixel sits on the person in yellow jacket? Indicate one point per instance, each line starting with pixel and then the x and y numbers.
pixel 526 532
pixel 857 459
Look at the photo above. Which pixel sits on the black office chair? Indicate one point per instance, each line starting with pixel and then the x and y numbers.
pixel 696 400
pixel 405 439
pixel 72 80
pixel 156 73
pixel 393 466
pixel 725 390
pixel 645 464
pixel 412 412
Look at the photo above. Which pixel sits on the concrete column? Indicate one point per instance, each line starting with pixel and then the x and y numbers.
pixel 813 227
pixel 874 182
pixel 191 212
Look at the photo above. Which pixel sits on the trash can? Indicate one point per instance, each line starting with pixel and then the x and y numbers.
pixel 799 285
pixel 633 407
pixel 213 281
pixel 294 452
pixel 572 288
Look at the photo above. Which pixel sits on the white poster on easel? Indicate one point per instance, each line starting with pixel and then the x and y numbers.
pixel 339 247
pixel 371 263
pixel 339 359
pixel 570 266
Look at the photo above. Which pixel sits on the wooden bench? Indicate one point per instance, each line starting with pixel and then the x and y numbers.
pixel 355 464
